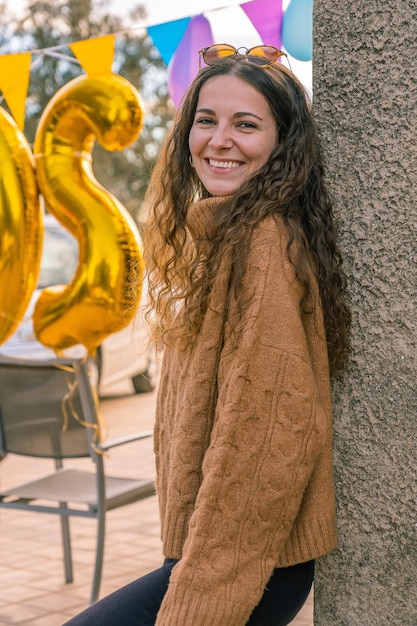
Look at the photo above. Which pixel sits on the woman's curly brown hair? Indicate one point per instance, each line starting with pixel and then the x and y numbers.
pixel 290 185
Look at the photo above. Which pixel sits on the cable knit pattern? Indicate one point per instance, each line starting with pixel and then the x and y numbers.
pixel 243 440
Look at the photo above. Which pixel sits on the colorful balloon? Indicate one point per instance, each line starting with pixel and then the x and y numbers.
pixel 105 292
pixel 21 226
pixel 297 29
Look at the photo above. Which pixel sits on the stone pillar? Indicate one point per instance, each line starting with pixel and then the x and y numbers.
pixel 365 102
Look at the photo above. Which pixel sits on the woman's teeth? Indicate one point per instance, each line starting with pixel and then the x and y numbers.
pixel 224 164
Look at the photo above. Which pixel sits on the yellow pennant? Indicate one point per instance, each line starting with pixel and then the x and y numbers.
pixel 95 55
pixel 14 83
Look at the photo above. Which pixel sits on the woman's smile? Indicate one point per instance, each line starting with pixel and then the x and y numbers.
pixel 224 164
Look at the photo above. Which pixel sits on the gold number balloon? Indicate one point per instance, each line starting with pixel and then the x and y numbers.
pixel 104 294
pixel 21 226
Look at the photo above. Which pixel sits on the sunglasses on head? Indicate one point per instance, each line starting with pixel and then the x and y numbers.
pixel 261 56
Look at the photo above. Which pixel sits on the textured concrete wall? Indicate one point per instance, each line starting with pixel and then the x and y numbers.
pixel 365 100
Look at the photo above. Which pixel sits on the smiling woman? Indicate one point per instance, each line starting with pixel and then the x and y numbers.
pixel 247 288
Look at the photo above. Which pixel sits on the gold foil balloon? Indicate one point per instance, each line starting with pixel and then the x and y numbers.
pixel 104 294
pixel 21 226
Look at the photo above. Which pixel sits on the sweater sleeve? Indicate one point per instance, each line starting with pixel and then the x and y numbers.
pixel 264 444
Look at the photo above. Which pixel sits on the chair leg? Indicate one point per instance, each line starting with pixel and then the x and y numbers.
pixel 101 527
pixel 66 544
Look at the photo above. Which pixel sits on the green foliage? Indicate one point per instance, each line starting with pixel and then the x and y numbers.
pixel 58 22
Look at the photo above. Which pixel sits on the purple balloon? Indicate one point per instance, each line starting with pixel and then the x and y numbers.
pixel 183 67
pixel 266 16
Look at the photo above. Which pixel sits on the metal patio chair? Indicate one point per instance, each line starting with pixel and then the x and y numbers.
pixel 48 409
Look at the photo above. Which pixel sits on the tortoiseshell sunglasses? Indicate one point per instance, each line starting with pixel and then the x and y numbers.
pixel 261 56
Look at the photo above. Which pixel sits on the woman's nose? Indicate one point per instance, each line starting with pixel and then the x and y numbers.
pixel 221 138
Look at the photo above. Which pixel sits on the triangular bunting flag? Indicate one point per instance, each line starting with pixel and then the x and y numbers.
pixel 14 83
pixel 166 37
pixel 95 55
pixel 266 16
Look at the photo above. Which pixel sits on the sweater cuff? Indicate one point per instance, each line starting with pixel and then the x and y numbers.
pixel 189 608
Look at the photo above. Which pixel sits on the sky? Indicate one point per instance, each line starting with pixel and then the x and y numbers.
pixel 167 10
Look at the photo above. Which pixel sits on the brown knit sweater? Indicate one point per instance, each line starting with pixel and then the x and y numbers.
pixel 243 440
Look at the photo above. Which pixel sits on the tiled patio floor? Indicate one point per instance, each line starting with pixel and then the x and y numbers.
pixel 32 588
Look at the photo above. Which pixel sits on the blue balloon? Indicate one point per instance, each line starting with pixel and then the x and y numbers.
pixel 297 29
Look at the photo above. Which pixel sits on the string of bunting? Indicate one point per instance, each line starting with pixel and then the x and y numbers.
pixel 178 42
pixel 94 55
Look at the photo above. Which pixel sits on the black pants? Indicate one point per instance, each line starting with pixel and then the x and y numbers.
pixel 137 604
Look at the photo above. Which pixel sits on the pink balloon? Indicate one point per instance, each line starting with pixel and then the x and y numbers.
pixel 183 67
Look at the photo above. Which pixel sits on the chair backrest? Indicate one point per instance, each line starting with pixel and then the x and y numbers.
pixel 47 408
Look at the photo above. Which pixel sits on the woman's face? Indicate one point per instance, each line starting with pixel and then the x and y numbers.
pixel 233 134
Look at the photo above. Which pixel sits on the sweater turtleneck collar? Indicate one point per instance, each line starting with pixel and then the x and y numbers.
pixel 200 214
